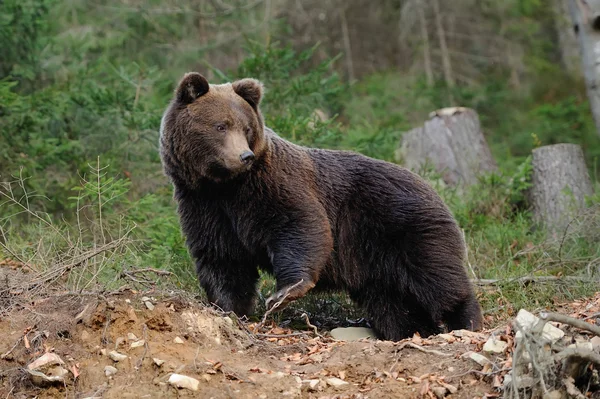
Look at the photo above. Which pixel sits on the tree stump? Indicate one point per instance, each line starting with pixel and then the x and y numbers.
pixel 560 183
pixel 452 142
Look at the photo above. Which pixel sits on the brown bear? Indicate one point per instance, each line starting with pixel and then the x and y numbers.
pixel 332 220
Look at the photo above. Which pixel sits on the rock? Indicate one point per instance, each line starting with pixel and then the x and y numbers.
pixel 103 352
pixel 279 374
pixel 116 356
pixel 439 392
pixel 228 320
pixel 145 299
pixel 312 384
pixel 85 336
pixel 479 359
pixel 352 333
pixel 149 305
pixel 110 370
pixel 182 381
pixel 527 321
pixel 595 342
pixel 336 382
pixel 206 377
pixel 46 360
pixel 178 340
pixel 494 345
pixel 137 344
pixel 132 337
pixel 554 395
pixel 118 342
pixel 157 361
pixel 586 345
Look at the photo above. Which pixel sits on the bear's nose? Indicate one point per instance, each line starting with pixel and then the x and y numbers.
pixel 247 157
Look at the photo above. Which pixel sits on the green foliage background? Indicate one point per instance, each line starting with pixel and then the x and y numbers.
pixel 83 88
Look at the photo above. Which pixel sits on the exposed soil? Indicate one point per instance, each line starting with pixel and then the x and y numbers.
pixel 227 358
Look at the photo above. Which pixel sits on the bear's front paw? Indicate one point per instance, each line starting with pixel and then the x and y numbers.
pixel 284 296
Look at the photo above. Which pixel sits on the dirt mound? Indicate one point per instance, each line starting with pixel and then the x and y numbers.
pixel 130 345
pixel 152 345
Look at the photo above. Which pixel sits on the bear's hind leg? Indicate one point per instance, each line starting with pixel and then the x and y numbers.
pixel 465 315
pixel 394 318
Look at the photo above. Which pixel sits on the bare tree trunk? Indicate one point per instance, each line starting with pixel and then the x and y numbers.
pixel 267 32
pixel 560 183
pixel 446 63
pixel 567 40
pixel 426 47
pixel 586 19
pixel 453 143
pixel 347 46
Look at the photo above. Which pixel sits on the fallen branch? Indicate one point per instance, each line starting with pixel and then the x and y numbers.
pixel 530 279
pixel 420 348
pixel 316 331
pixel 548 316
pixel 278 303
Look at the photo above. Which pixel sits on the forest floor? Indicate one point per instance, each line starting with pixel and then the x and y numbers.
pixel 132 344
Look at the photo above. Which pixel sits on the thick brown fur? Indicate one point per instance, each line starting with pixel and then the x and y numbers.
pixel 336 220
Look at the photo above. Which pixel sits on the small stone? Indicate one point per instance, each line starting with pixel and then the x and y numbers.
pixel 312 384
pixel 528 321
pixel 158 361
pixel 178 340
pixel 595 342
pixel 494 345
pixel 336 382
pixel 145 299
pixel 110 370
pixel 149 305
pixel 352 333
pixel 127 300
pixel 228 320
pixel 206 377
pixel 439 392
pixel 40 379
pixel 451 369
pixel 118 342
pixel 479 359
pixel 116 356
pixel 137 344
pixel 182 381
pixel 132 337
pixel 85 336
pixel 279 374
pixel 103 352
pixel 554 395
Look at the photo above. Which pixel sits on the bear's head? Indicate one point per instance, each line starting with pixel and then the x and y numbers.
pixel 213 132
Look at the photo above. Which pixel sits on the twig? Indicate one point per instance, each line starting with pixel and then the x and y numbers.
pixel 278 303
pixel 11 349
pixel 145 338
pixel 572 390
pixel 316 331
pixel 549 316
pixel 149 270
pixel 430 351
pixel 294 334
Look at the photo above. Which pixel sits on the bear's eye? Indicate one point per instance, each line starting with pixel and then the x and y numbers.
pixel 221 128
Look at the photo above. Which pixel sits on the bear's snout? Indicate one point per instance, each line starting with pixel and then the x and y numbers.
pixel 247 157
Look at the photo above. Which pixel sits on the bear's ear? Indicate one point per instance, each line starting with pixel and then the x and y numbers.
pixel 192 86
pixel 250 90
